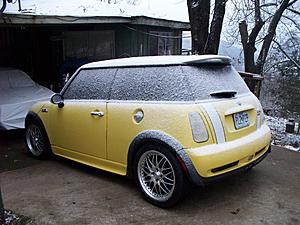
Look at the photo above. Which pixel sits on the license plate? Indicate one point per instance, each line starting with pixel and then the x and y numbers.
pixel 241 120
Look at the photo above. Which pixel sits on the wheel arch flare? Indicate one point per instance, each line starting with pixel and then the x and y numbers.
pixel 162 138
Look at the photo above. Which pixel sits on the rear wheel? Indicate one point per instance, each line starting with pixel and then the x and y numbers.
pixel 37 142
pixel 159 175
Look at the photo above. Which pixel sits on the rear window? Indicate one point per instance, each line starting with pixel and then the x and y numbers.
pixel 207 79
pixel 175 83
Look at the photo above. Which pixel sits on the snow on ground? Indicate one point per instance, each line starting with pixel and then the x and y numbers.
pixel 13 219
pixel 10 217
pixel 166 9
pixel 280 137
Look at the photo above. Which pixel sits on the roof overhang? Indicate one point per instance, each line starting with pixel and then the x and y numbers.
pixel 143 20
pixel 28 19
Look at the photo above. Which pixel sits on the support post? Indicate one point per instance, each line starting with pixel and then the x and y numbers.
pixel 2 219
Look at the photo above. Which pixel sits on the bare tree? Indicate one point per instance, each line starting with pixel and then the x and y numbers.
pixel 263 30
pixel 205 38
pixel 199 11
pixel 284 58
pixel 213 40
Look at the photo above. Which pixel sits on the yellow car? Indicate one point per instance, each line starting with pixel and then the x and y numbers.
pixel 163 120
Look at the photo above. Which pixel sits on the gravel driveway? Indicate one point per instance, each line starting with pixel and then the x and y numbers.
pixel 59 191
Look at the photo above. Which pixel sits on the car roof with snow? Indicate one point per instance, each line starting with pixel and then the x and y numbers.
pixel 160 61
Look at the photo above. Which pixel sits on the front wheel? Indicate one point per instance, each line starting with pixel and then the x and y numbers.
pixel 159 175
pixel 37 142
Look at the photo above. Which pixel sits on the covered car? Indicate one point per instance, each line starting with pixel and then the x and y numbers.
pixel 18 92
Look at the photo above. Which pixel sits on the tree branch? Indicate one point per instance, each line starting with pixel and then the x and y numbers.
pixel 294 11
pixel 244 33
pixel 269 37
pixel 213 40
pixel 285 53
pixel 293 21
pixel 258 24
pixel 292 2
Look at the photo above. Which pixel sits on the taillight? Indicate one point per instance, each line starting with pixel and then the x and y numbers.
pixel 198 127
pixel 258 117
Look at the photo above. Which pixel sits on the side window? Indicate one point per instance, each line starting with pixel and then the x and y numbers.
pixel 91 84
pixel 160 83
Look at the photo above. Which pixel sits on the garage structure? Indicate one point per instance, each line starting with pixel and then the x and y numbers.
pixel 46 47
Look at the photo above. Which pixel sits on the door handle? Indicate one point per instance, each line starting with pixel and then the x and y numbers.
pixel 99 114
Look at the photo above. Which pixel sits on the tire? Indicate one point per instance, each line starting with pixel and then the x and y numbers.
pixel 36 140
pixel 159 176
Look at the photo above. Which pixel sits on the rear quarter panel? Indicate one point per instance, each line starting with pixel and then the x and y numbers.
pixel 169 118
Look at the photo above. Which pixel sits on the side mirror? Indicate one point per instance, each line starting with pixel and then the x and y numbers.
pixel 57 99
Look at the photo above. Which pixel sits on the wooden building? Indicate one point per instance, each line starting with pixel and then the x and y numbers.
pixel 48 46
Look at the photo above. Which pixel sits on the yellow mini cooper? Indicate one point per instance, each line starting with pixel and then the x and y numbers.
pixel 163 120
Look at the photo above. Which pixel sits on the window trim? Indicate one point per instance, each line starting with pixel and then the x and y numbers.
pixel 62 92
pixel 110 67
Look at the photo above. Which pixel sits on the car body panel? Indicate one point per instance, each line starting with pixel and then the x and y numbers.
pixel 93 161
pixel 46 117
pixel 228 107
pixel 122 128
pixel 73 128
pixel 244 150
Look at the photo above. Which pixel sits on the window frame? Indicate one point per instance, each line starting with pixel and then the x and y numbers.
pixel 108 67
pixel 114 80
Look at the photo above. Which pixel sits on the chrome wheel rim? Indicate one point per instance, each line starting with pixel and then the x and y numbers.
pixel 34 140
pixel 156 175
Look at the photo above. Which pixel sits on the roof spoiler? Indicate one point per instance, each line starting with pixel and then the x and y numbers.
pixel 211 59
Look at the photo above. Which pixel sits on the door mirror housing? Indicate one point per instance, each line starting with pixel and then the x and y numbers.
pixel 57 99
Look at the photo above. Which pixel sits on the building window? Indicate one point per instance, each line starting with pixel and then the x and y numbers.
pixel 92 45
pixel 160 44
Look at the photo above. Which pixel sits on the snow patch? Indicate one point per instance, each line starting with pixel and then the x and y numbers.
pixel 280 137
pixel 10 217
pixel 87 8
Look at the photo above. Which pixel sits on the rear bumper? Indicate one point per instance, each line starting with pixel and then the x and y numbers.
pixel 217 178
pixel 216 161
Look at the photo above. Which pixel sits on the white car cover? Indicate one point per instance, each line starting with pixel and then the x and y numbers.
pixel 17 94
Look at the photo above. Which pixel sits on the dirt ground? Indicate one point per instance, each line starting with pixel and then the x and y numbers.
pixel 59 191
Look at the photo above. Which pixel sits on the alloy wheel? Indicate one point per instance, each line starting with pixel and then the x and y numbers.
pixel 34 140
pixel 156 175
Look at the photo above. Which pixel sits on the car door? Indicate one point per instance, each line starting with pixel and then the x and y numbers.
pixel 79 127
